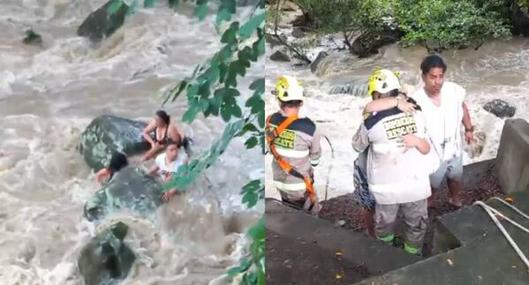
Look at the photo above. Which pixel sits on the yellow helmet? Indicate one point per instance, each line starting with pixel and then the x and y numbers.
pixel 288 89
pixel 382 81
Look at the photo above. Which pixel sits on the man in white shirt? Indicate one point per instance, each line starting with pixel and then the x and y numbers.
pixel 167 164
pixel 396 172
pixel 444 109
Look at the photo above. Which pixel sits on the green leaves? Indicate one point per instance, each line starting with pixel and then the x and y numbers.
pixel 201 11
pixel 149 3
pixel 444 24
pixel 114 6
pixel 251 26
pixel 187 174
pixel 173 3
pixel 252 192
pixel 230 35
pixel 226 9
pixel 251 268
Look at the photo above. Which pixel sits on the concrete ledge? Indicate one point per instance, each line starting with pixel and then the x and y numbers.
pixel 301 249
pixel 512 165
pixel 483 257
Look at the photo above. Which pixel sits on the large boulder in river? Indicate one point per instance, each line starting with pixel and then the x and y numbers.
pixel 368 43
pixel 500 108
pixel 357 88
pixel 106 259
pixel 102 23
pixel 280 56
pixel 107 134
pixel 314 65
pixel 130 188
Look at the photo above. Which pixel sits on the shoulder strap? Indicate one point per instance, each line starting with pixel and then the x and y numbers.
pixel 271 135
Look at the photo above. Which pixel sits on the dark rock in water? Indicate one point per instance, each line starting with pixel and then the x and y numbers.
pixel 280 56
pixel 273 40
pixel 368 43
pixel 298 32
pixel 130 188
pixel 102 23
pixel 316 62
pixel 358 89
pixel 520 19
pixel 106 259
pixel 32 38
pixel 107 134
pixel 500 108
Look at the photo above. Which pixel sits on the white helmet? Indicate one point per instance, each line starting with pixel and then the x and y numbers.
pixel 288 89
pixel 382 81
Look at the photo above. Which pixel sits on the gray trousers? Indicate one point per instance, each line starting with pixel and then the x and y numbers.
pixel 415 215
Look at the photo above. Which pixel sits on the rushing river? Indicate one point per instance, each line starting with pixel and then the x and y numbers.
pixel 49 94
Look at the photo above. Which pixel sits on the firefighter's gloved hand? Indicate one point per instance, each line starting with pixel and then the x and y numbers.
pixel 313 207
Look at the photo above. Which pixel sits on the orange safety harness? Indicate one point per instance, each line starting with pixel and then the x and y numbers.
pixel 271 135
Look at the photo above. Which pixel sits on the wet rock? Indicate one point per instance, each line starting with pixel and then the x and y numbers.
pixel 500 108
pixel 368 43
pixel 107 134
pixel 32 38
pixel 130 188
pixel 298 32
pixel 106 258
pixel 101 23
pixel 358 89
pixel 317 61
pixel 273 40
pixel 520 19
pixel 280 56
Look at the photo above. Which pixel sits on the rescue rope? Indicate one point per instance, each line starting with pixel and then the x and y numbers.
pixel 492 212
pixel 328 180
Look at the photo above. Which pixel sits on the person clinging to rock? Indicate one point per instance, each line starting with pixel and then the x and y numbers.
pixel 167 164
pixel 118 161
pixel 159 132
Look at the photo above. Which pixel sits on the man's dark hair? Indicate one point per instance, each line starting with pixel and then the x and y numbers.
pixel 171 142
pixel 117 162
pixel 291 104
pixel 432 61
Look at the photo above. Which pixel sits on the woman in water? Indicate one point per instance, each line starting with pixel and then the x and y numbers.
pixel 163 131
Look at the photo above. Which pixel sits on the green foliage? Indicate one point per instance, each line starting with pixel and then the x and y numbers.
pixel 439 24
pixel 524 4
pixel 251 268
pixel 252 192
pixel 444 24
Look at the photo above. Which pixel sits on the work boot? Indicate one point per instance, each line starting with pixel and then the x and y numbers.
pixel 388 239
pixel 412 249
